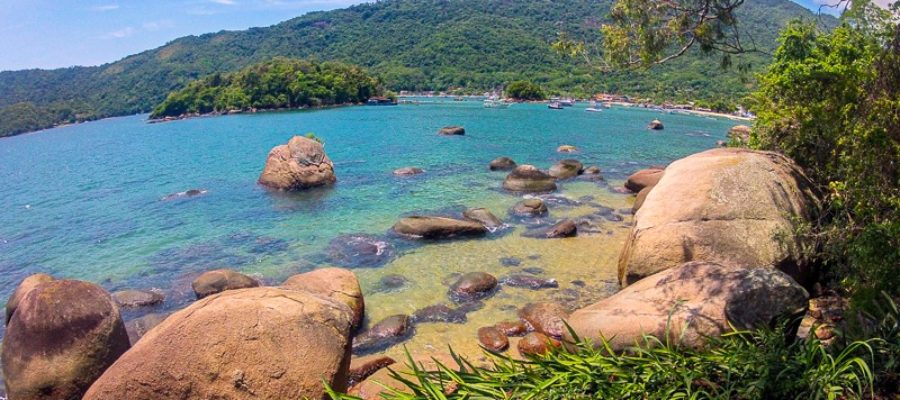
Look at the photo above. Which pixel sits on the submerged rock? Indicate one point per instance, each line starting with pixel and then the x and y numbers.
pixel 530 208
pixel 644 178
pixel 502 164
pixel 440 313
pixel 27 285
pixel 655 125
pixel 592 170
pixel 408 171
pixel 565 169
pixel 512 328
pixel 728 206
pixel 562 229
pixel 493 339
pixel 529 281
pixel 137 298
pixel 62 336
pixel 691 303
pixel 185 194
pixel 529 179
pixel 473 286
pixel 335 284
pixel 298 165
pixel 452 131
pixel 438 227
pixel 391 282
pixel 264 343
pixel 220 280
pixel 384 334
pixel 484 216
pixel 510 261
pixel 360 251
pixel 545 317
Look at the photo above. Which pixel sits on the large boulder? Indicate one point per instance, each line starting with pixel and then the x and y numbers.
pixel 696 300
pixel 61 338
pixel 527 178
pixel 565 169
pixel 220 280
pixel 336 284
pixel 438 227
pixel 643 179
pixel 264 343
pixel 729 206
pixel 298 165
pixel 483 216
pixel 502 164
pixel 24 287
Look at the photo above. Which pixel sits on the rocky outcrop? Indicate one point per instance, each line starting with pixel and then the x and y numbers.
pixel 640 198
pixel 24 287
pixel 566 149
pixel 483 216
pixel 220 280
pixel 452 131
pixel 473 286
pixel 529 208
pixel 137 298
pixel 335 284
pixel 264 343
pixel 438 227
pixel 565 169
pixel 61 338
pixel 529 179
pixel 408 171
pixel 729 206
pixel 697 300
pixel 298 165
pixel 655 125
pixel 643 179
pixel 502 164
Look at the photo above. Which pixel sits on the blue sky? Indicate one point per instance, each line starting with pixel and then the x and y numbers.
pixel 62 33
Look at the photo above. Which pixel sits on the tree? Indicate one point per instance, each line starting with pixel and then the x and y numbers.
pixel 523 90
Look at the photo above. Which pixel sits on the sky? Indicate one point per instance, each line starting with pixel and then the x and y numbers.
pixel 63 33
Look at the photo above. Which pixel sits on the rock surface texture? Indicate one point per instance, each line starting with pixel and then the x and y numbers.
pixel 300 164
pixel 263 343
pixel 728 206
pixel 61 338
pixel 702 300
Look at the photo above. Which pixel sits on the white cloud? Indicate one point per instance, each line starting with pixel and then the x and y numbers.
pixel 158 25
pixel 224 2
pixel 121 33
pixel 108 7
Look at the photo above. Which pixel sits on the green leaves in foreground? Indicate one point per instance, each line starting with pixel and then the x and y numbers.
pixel 739 365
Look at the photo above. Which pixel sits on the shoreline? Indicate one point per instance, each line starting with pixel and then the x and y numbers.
pixel 248 111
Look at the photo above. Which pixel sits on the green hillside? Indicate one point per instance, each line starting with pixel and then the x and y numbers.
pixel 409 44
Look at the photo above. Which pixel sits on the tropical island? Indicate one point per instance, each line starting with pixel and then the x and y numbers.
pixel 459 251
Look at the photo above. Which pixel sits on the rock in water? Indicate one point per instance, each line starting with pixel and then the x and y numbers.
pixel 408 171
pixel 530 208
pixel 545 317
pixel 701 298
pixel 359 251
pixel 363 367
pixel 529 281
pixel 536 344
pixel 452 131
pixel 336 284
pixel 502 164
pixel 24 287
pixel 264 343
pixel 61 338
pixel 438 227
pixel 643 179
pixel 566 149
pixel 655 125
pixel 594 170
pixel 483 216
pixel 529 179
pixel 137 298
pixel 139 327
pixel 493 339
pixel 565 169
pixel 512 328
pixel 473 286
pixel 220 280
pixel 562 229
pixel 728 206
pixel 384 334
pixel 298 165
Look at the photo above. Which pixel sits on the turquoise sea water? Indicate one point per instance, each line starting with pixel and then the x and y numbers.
pixel 85 201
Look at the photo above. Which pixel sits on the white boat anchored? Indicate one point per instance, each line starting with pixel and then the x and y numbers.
pixel 493 103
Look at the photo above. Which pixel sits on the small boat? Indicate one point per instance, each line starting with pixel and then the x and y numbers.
pixel 594 107
pixel 555 105
pixel 491 103
pixel 567 102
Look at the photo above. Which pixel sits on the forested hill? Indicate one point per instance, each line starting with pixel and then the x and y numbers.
pixel 409 44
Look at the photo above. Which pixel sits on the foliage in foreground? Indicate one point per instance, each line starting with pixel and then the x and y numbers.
pixel 741 365
pixel 278 83
pixel 831 101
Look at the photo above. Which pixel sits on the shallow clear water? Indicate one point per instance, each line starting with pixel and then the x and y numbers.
pixel 85 201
